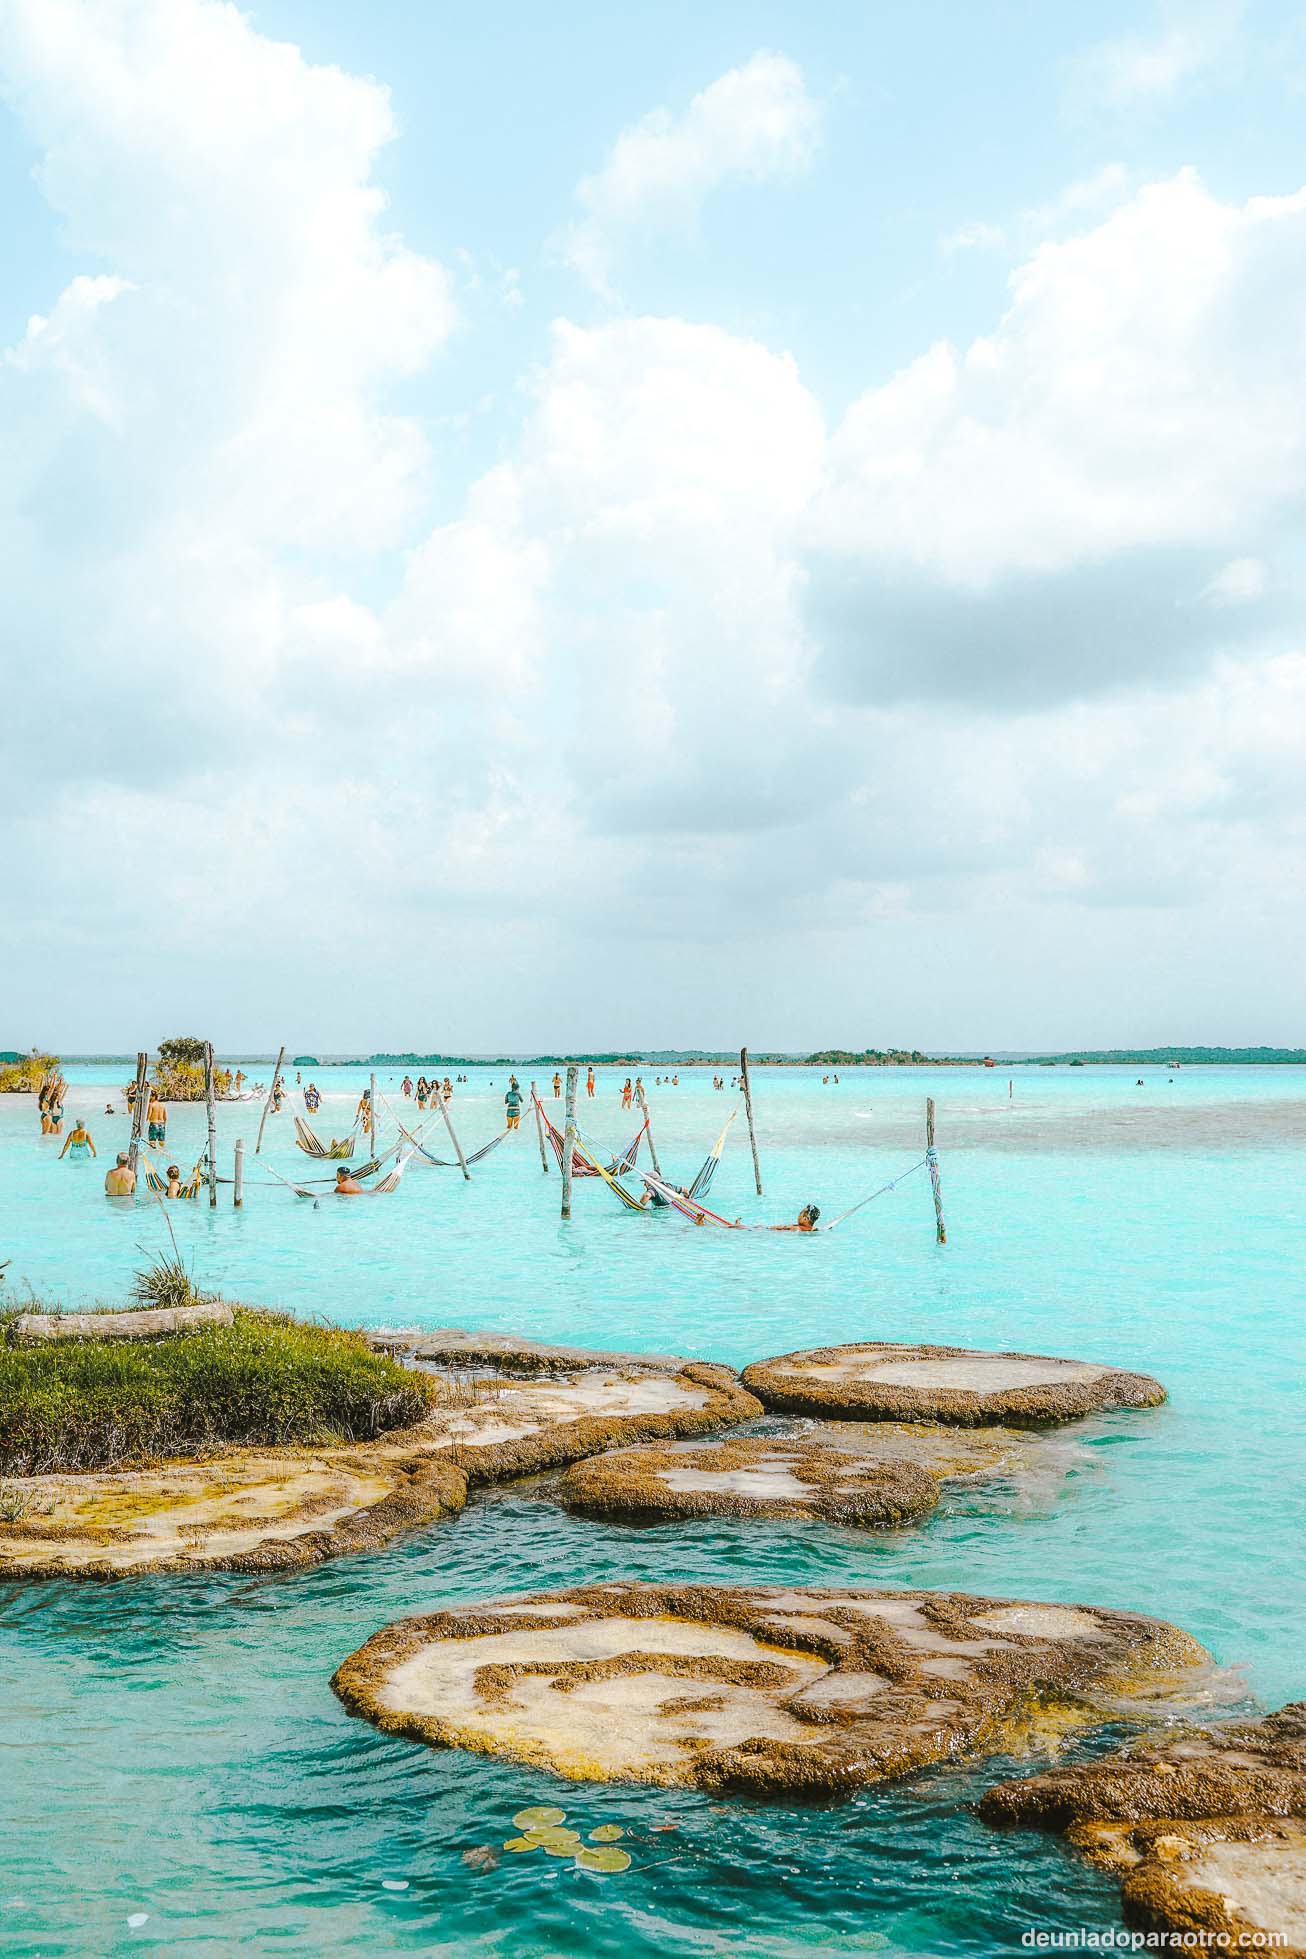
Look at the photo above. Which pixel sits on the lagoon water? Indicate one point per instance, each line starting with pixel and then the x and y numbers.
pixel 172 1748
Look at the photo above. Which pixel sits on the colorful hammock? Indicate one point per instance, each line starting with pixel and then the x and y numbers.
pixel 442 1162
pixel 381 1188
pixel 707 1168
pixel 307 1139
pixel 689 1207
pixel 159 1185
pixel 582 1164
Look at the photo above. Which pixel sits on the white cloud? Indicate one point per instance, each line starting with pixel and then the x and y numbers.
pixel 1239 582
pixel 1134 70
pixel 752 125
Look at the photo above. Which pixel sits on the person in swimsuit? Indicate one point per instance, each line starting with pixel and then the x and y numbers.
pixel 806 1220
pixel 79 1142
pixel 347 1184
pixel 512 1102
pixel 423 1090
pixel 557 1085
pixel 56 1118
pixel 121 1180
pixel 589 1081
pixel 626 1093
pixel 407 1086
pixel 157 1117
pixel 174 1181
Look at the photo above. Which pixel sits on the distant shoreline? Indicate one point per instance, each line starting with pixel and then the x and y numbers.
pixel 830 1058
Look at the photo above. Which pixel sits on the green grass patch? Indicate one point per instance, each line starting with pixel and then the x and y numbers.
pixel 82 1404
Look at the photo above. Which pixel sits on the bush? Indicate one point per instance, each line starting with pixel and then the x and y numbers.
pixel 83 1404
pixel 25 1077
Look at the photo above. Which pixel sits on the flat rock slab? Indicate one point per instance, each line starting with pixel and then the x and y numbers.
pixel 954 1454
pixel 513 1427
pixel 877 1380
pixel 244 1510
pixel 1207 1828
pixel 751 1476
pixel 781 1692
pixel 275 1509
pixel 452 1346
pixel 145 1325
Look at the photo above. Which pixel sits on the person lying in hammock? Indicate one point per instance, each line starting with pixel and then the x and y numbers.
pixel 806 1220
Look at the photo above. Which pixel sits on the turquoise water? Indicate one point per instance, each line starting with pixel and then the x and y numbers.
pixel 172 1748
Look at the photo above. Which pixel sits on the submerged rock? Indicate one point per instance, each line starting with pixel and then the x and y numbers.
pixel 751 1476
pixel 1206 1828
pixel 253 1509
pixel 878 1380
pixel 781 1692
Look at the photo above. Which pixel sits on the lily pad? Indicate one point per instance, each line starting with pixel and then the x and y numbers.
pixel 607 1833
pixel 539 1819
pixel 603 1860
pixel 520 1845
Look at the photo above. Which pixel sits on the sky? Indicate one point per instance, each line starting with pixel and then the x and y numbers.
pixel 541 528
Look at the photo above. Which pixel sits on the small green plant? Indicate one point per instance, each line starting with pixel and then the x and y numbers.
pixel 14 1503
pixel 167 1283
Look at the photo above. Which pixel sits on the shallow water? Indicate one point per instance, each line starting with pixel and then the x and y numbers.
pixel 173 1747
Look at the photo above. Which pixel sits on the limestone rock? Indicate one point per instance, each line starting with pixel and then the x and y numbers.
pixel 878 1380
pixel 781 1692
pixel 1207 1828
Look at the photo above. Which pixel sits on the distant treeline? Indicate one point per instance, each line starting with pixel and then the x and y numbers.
pixel 1157 1057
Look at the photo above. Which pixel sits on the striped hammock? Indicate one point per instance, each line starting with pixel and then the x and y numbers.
pixel 582 1164
pixel 307 1139
pixel 159 1184
pixel 381 1188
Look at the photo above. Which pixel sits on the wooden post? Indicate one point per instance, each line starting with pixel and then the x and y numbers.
pixel 371 1115
pixel 211 1107
pixel 139 1105
pixel 932 1159
pixel 453 1134
pixel 276 1077
pixel 748 1111
pixel 539 1131
pixel 569 1138
pixel 652 1146
pixel 238 1185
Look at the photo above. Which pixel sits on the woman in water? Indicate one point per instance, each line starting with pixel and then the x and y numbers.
pixel 79 1142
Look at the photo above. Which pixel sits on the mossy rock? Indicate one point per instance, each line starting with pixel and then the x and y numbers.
pixel 782 1692
pixel 236 1510
pixel 879 1380
pixel 750 1476
pixel 1207 1828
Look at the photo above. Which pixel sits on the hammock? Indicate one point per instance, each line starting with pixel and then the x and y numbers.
pixel 583 1165
pixel 159 1185
pixel 443 1162
pixel 381 1188
pixel 595 1169
pixel 707 1168
pixel 689 1207
pixel 307 1139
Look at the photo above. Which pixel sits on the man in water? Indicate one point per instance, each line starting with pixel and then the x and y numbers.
pixel 589 1081
pixel 347 1184
pixel 157 1117
pixel 512 1102
pixel 121 1180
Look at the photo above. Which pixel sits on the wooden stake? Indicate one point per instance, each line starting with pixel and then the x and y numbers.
pixel 453 1137
pixel 932 1159
pixel 238 1185
pixel 748 1110
pixel 569 1138
pixel 371 1115
pixel 140 1103
pixel 539 1130
pixel 210 1104
pixel 276 1077
pixel 652 1147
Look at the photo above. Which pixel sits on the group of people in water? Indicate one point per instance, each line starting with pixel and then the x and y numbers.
pixel 433 1091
